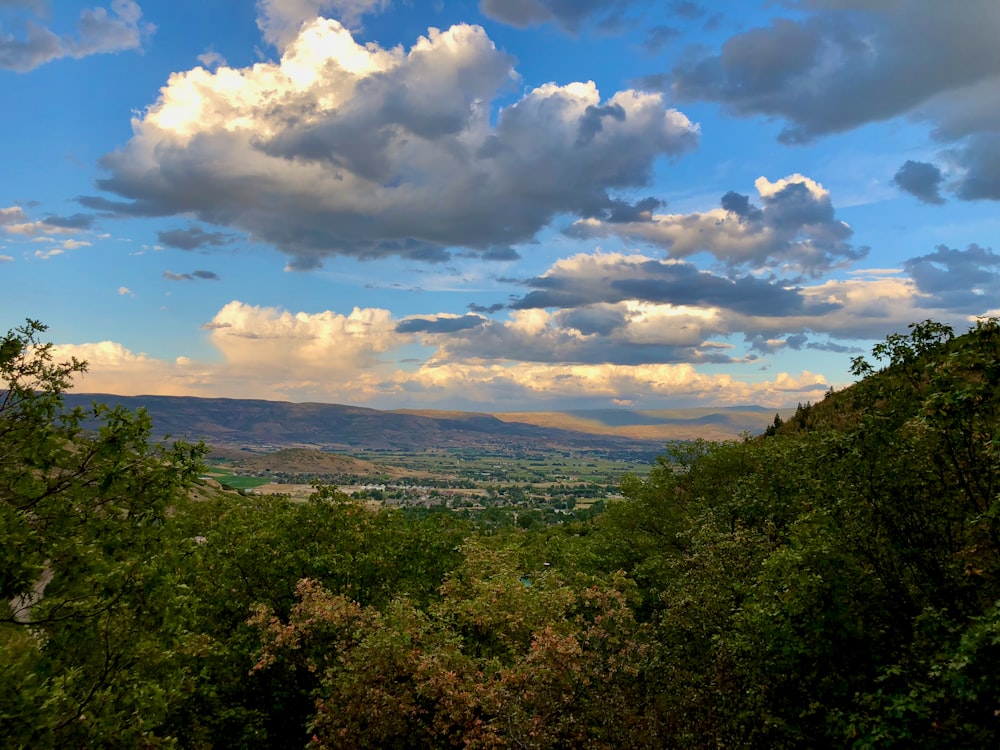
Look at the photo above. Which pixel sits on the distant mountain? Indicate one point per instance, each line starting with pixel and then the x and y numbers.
pixel 719 423
pixel 267 425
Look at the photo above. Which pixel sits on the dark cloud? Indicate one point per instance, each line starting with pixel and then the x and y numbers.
pixel 794 228
pixel 830 346
pixel 496 341
pixel 591 123
pixel 98 31
pixel 921 180
pixel 797 341
pixel 981 159
pixel 569 14
pixel 414 250
pixel 739 204
pixel 193 276
pixel 501 253
pixel 487 309
pixel 687 10
pixel 659 37
pixel 761 343
pixel 621 211
pixel 664 282
pixel 601 320
pixel 843 63
pixel 440 324
pixel 192 238
pixel 848 62
pixel 406 164
pixel 112 208
pixel 76 221
pixel 654 82
pixel 962 280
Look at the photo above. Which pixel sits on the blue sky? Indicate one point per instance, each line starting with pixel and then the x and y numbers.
pixel 495 205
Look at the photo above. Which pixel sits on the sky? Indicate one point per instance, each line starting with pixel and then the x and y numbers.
pixel 495 205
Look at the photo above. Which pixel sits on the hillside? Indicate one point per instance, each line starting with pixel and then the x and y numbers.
pixel 257 424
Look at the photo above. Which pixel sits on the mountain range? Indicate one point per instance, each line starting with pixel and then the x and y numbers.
pixel 259 424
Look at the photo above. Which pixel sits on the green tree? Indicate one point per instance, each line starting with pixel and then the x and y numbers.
pixel 84 498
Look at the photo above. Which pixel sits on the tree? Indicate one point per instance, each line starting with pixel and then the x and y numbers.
pixel 84 498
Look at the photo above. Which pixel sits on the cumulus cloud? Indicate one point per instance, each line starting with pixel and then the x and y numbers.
pixel 493 385
pixel 270 353
pixel 588 279
pixel 921 180
pixel 794 229
pixel 192 238
pixel 344 149
pixel 252 337
pixel 490 386
pixel 840 64
pixel 113 368
pixel 6 259
pixel 98 31
pixel 626 299
pixel 591 352
pixel 647 335
pixel 966 280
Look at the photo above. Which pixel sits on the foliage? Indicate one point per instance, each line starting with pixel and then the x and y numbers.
pixel 82 517
pixel 832 583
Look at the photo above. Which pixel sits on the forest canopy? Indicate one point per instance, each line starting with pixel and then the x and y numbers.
pixel 833 583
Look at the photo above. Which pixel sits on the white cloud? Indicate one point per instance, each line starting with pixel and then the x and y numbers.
pixel 6 259
pixel 793 231
pixel 112 368
pixel 343 148
pixel 354 358
pixel 327 377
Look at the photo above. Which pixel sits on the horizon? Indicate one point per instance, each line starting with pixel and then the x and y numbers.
pixel 495 207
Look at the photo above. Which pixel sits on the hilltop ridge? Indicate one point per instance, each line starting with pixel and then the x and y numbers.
pixel 267 425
